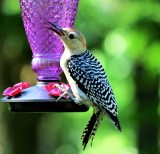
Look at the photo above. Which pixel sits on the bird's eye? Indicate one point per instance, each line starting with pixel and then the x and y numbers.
pixel 71 36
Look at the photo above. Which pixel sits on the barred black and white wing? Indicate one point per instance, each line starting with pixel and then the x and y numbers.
pixel 92 80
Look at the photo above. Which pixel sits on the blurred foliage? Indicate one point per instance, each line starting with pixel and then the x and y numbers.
pixel 125 36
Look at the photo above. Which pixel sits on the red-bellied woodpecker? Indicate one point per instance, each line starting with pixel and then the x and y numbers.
pixel 87 79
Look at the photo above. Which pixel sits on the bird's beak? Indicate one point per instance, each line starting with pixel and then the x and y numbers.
pixel 57 29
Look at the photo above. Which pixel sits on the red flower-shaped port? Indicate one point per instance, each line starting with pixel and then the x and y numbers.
pixel 56 89
pixel 16 89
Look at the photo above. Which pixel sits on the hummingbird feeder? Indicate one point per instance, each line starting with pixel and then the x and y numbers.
pixel 47 49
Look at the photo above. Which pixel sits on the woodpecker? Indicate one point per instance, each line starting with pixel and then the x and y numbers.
pixel 87 80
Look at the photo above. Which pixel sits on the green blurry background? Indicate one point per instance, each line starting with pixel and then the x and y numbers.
pixel 125 36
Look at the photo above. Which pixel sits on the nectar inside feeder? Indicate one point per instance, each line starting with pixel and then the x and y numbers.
pixel 47 49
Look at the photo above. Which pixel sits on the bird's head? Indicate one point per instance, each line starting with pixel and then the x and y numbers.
pixel 73 40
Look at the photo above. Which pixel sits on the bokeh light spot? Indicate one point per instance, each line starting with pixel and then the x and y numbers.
pixel 10 7
pixel 27 74
pixel 67 149
pixel 115 44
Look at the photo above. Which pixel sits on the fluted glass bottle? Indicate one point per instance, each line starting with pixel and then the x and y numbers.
pixel 46 47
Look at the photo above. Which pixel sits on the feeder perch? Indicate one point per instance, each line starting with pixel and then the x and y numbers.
pixel 47 49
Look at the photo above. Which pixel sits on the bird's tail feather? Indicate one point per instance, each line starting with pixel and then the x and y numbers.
pixel 91 128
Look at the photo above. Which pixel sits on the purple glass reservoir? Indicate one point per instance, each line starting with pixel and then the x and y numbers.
pixel 46 47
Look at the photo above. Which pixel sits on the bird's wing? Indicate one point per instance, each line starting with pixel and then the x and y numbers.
pixel 91 79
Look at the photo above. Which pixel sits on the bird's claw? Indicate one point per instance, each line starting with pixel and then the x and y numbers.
pixel 63 94
pixel 67 94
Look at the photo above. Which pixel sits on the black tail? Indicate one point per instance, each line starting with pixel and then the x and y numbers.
pixel 91 128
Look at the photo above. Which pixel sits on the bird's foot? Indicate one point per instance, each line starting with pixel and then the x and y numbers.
pixel 67 94
pixel 79 99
